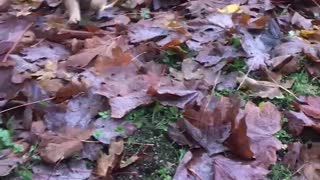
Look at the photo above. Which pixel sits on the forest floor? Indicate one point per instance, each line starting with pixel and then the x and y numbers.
pixel 160 89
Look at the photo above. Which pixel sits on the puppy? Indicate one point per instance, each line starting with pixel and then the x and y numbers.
pixel 73 8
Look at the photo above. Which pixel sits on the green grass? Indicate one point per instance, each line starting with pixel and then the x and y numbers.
pixel 284 136
pixel 104 114
pixel 156 116
pixel 163 173
pixel 235 42
pixel 284 102
pixel 280 172
pixel 174 59
pixel 163 155
pixel 6 141
pixel 237 64
pixel 303 84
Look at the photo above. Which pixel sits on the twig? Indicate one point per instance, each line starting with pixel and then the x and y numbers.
pixel 297 171
pixel 26 104
pixel 244 78
pixel 285 89
pixel 141 144
pixel 16 43
pixel 316 3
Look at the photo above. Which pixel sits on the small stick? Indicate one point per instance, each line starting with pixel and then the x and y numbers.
pixel 140 144
pixel 26 104
pixel 316 3
pixel 16 43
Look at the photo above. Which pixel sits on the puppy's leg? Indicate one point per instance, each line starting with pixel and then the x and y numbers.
pixel 73 8
pixel 97 4
pixel 101 5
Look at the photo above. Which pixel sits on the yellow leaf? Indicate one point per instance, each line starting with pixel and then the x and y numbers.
pixel 232 8
pixel 307 33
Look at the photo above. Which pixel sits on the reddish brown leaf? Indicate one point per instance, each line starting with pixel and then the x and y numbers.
pixel 313 107
pixel 210 125
pixel 228 169
pixel 108 163
pixel 298 120
pixel 195 165
pixel 238 141
pixel 68 91
pixel 58 146
pixel 262 124
pixel 307 162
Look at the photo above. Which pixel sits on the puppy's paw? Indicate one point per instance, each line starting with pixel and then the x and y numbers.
pixel 73 9
pixel 74 18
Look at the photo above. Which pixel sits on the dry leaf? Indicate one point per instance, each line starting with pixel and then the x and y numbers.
pixel 264 89
pixel 108 163
pixel 58 146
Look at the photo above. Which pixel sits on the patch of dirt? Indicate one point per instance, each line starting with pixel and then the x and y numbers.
pixel 161 154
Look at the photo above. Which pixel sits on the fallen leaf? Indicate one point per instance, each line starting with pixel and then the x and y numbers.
pixel 256 50
pixel 91 151
pixel 213 54
pixel 293 155
pixel 228 169
pixel 78 112
pixel 298 121
pixel 210 125
pixel 58 146
pixel 8 90
pixel 68 91
pixel 173 93
pixel 118 58
pixel 307 162
pixel 231 8
pixel 312 108
pixel 238 141
pixel 74 169
pixel 177 132
pixel 46 50
pixel 120 106
pixel 131 160
pixel 264 89
pixel 222 20
pixel 8 164
pixel 195 165
pixel 296 46
pixel 140 32
pixel 262 123
pixel 301 21
pixel 108 163
pixel 107 129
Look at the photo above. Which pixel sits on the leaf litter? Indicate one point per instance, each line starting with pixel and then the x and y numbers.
pixel 240 72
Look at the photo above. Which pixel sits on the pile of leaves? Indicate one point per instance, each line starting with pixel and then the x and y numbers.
pixel 244 74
